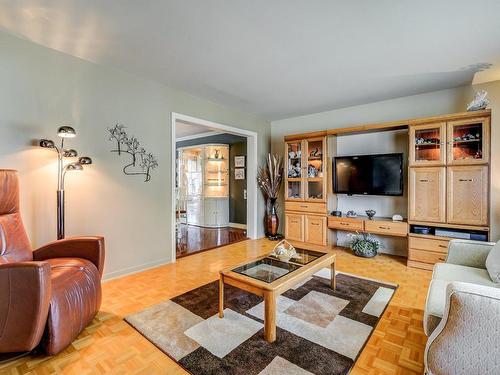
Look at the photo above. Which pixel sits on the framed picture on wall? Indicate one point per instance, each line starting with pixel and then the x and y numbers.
pixel 239 162
pixel 239 174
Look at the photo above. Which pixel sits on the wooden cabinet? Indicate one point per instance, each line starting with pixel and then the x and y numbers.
pixel 427 196
pixel 306 191
pixel 427 144
pixel 305 170
pixel 468 195
pixel 315 230
pixel 294 227
pixel 468 141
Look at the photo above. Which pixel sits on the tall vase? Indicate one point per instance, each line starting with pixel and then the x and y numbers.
pixel 272 221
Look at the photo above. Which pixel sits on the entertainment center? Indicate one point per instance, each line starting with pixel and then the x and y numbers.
pixel 448 185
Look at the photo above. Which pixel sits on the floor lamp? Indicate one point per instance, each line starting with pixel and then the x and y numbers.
pixel 64 132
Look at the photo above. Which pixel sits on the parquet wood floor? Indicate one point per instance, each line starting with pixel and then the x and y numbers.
pixel 111 346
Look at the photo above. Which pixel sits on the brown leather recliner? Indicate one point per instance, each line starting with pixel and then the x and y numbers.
pixel 49 295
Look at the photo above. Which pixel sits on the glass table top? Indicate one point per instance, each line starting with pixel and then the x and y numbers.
pixel 271 268
pixel 303 256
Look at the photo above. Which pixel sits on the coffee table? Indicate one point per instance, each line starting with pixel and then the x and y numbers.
pixel 269 277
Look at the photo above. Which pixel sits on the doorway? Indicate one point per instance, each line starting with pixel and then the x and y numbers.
pixel 214 189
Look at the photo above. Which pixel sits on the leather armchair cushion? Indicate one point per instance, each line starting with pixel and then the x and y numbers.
pixel 75 300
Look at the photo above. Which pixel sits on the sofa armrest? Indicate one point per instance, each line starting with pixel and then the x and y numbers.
pixel 469 253
pixel 24 304
pixel 90 248
pixel 468 332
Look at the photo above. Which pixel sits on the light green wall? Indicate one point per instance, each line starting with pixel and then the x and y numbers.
pixel 42 89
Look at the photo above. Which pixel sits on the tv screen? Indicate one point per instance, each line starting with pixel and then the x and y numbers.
pixel 368 174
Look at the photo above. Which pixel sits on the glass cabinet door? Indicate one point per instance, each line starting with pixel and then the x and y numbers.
pixel 294 188
pixel 315 173
pixel 467 141
pixel 427 144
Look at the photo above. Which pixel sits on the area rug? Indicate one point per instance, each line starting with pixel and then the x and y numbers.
pixel 319 331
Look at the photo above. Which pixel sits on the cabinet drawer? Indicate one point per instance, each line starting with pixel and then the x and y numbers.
pixel 345 224
pixel 306 207
pixel 426 256
pixel 439 246
pixel 386 227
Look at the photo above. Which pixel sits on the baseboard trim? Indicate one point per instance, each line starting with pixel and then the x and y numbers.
pixel 239 226
pixel 135 269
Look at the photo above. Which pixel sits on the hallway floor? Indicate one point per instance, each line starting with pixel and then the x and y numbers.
pixel 194 239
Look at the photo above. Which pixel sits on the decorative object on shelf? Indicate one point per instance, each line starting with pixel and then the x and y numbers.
pixel 397 218
pixel 269 179
pixel 427 141
pixel 351 214
pixel 239 162
pixel 142 163
pixel 312 171
pixel 239 173
pixel 479 102
pixel 294 169
pixel 64 132
pixel 364 244
pixel 336 213
pixel 284 251
pixel 217 154
pixel 370 214
pixel 315 152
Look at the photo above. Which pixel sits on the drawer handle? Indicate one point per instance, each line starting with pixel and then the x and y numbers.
pixel 466 179
pixel 315 224
pixel 440 258
pixel 443 246
pixel 380 227
pixel 425 180
pixel 304 206
pixel 344 223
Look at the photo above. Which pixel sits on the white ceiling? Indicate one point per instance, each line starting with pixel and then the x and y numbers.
pixel 186 129
pixel 275 58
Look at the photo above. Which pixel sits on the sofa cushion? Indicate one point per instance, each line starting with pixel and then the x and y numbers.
pixel 443 274
pixel 76 298
pixel 493 263
pixel 455 272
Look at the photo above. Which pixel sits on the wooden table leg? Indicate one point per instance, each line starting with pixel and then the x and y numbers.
pixel 333 277
pixel 269 316
pixel 221 296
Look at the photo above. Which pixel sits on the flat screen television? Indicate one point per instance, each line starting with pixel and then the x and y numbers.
pixel 380 174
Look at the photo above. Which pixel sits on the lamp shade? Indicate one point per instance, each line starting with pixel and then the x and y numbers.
pixel 70 153
pixel 74 167
pixel 84 160
pixel 46 143
pixel 66 132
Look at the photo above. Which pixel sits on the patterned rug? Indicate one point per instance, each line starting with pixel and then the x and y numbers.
pixel 319 331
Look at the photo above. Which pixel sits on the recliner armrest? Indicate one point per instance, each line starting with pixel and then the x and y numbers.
pixel 24 304
pixel 469 253
pixel 90 248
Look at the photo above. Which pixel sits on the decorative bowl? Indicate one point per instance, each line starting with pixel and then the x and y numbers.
pixel 370 214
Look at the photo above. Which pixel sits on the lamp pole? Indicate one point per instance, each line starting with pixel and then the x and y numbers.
pixel 64 132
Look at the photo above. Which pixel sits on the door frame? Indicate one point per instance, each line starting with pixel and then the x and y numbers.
pixel 251 171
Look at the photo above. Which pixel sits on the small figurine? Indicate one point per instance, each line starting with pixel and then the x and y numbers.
pixel 479 102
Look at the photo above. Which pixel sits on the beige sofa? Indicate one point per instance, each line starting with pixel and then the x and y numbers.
pixel 462 313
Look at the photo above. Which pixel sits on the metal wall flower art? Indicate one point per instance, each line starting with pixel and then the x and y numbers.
pixel 141 162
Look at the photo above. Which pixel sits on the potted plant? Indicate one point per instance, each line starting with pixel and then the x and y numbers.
pixel 364 244
pixel 269 179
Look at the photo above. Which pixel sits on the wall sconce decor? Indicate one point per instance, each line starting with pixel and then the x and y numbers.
pixel 62 168
pixel 142 161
